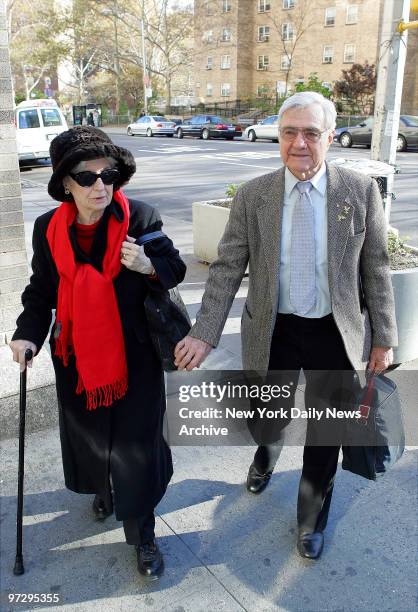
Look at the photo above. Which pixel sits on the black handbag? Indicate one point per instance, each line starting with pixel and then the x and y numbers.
pixel 167 317
pixel 375 441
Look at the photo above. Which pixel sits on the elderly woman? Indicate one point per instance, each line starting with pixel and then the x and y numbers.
pixel 109 380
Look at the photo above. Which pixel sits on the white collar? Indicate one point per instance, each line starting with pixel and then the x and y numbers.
pixel 318 180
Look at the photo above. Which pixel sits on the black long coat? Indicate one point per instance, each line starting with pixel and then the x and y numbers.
pixel 124 440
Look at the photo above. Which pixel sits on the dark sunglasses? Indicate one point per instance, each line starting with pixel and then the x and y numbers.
pixel 86 179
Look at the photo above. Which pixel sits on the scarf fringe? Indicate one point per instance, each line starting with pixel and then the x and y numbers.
pixel 103 396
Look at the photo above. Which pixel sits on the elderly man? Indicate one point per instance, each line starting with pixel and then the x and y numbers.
pixel 320 295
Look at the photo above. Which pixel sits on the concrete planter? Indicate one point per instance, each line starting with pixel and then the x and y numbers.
pixel 209 221
pixel 405 287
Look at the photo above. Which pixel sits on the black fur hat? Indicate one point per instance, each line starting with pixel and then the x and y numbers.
pixel 81 143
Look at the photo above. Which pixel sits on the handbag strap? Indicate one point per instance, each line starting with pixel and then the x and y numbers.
pixel 367 402
pixel 150 236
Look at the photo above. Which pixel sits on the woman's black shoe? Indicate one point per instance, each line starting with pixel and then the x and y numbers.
pixel 150 560
pixel 100 509
pixel 310 545
pixel 256 482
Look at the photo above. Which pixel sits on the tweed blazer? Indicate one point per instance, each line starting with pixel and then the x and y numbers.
pixel 358 267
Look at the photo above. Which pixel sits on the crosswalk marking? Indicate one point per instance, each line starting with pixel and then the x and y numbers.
pixel 242 155
pixel 179 149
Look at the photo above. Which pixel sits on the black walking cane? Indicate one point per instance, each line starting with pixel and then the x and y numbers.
pixel 18 568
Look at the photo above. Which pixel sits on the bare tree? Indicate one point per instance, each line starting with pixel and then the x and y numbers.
pixel 81 34
pixel 300 19
pixel 168 34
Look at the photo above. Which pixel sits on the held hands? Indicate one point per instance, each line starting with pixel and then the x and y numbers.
pixel 191 353
pixel 380 359
pixel 18 348
pixel 133 257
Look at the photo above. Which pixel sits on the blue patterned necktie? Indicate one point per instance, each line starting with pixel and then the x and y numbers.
pixel 302 252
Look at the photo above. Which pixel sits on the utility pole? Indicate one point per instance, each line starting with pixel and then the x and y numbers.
pixel 144 69
pixel 390 71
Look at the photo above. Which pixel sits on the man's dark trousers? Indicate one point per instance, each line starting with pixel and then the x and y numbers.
pixel 314 345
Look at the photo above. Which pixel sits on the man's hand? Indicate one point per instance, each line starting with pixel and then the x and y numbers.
pixel 381 357
pixel 191 353
pixel 18 348
pixel 133 257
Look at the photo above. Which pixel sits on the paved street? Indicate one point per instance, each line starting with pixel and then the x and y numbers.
pixel 225 550
pixel 174 173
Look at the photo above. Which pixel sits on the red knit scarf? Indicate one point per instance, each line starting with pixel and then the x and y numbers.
pixel 88 323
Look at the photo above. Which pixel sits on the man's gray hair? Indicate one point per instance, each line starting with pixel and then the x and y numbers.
pixel 303 99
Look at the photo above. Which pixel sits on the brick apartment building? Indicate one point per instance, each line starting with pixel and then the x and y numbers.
pixel 249 48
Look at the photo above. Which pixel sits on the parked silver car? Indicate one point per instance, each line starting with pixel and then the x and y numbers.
pixel 148 125
pixel 268 128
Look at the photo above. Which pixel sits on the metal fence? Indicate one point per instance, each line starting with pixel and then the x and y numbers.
pixel 350 120
pixel 118 119
pixel 243 112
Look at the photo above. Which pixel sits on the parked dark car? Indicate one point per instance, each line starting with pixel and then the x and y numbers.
pixel 208 126
pixel 362 134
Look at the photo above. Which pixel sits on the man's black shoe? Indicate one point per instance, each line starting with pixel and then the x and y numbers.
pixel 100 509
pixel 256 482
pixel 150 560
pixel 310 545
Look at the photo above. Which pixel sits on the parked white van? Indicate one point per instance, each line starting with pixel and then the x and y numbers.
pixel 37 123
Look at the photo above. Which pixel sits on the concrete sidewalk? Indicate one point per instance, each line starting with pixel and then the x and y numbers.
pixel 224 548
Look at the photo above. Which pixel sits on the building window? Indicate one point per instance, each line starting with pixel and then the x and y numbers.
pixel 352 14
pixel 226 35
pixel 209 8
pixel 330 15
pixel 263 62
pixel 349 53
pixel 225 90
pixel 209 63
pixel 328 55
pixel 286 61
pixel 263 33
pixel 209 89
pixel 263 6
pixel 226 6
pixel 208 36
pixel 281 88
pixel 225 62
pixel 288 4
pixel 262 89
pixel 287 31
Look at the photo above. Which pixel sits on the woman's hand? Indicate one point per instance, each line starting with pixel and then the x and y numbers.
pixel 18 348
pixel 133 257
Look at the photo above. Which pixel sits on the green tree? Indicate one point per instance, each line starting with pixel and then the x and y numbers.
pixel 313 84
pixel 35 48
